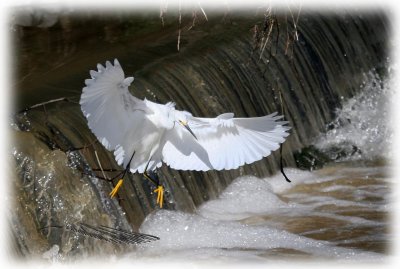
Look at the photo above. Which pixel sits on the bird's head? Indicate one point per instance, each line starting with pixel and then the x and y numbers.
pixel 182 117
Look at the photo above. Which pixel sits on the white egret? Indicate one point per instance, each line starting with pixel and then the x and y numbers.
pixel 143 134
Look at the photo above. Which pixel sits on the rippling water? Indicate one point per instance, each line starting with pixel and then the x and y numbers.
pixel 340 212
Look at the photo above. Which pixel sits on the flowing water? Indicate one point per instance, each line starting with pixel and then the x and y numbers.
pixel 339 212
pixel 336 92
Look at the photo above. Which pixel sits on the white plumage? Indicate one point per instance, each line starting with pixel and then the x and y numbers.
pixel 160 133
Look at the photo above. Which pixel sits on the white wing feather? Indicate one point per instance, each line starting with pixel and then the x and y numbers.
pixel 223 142
pixel 117 118
pixel 121 123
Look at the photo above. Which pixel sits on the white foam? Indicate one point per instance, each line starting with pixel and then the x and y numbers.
pixel 214 231
pixel 364 121
pixel 244 197
pixel 52 254
pixel 249 196
pixel 188 234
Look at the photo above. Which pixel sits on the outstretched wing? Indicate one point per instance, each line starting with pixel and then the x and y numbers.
pixel 223 142
pixel 117 118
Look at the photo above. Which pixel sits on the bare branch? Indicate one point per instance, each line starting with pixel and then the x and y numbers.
pixel 101 168
pixel 194 19
pixel 266 41
pixel 45 103
pixel 202 10
pixel 163 10
pixel 180 23
pixel 296 37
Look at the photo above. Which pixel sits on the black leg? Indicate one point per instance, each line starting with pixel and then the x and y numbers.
pixel 128 165
pixel 147 176
pixel 119 184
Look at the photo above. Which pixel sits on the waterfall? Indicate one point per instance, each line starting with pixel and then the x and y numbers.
pixel 219 68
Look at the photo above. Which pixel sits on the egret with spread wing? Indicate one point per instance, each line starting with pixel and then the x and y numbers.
pixel 143 134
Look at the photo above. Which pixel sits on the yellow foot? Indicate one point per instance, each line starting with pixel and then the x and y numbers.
pixel 116 188
pixel 160 195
